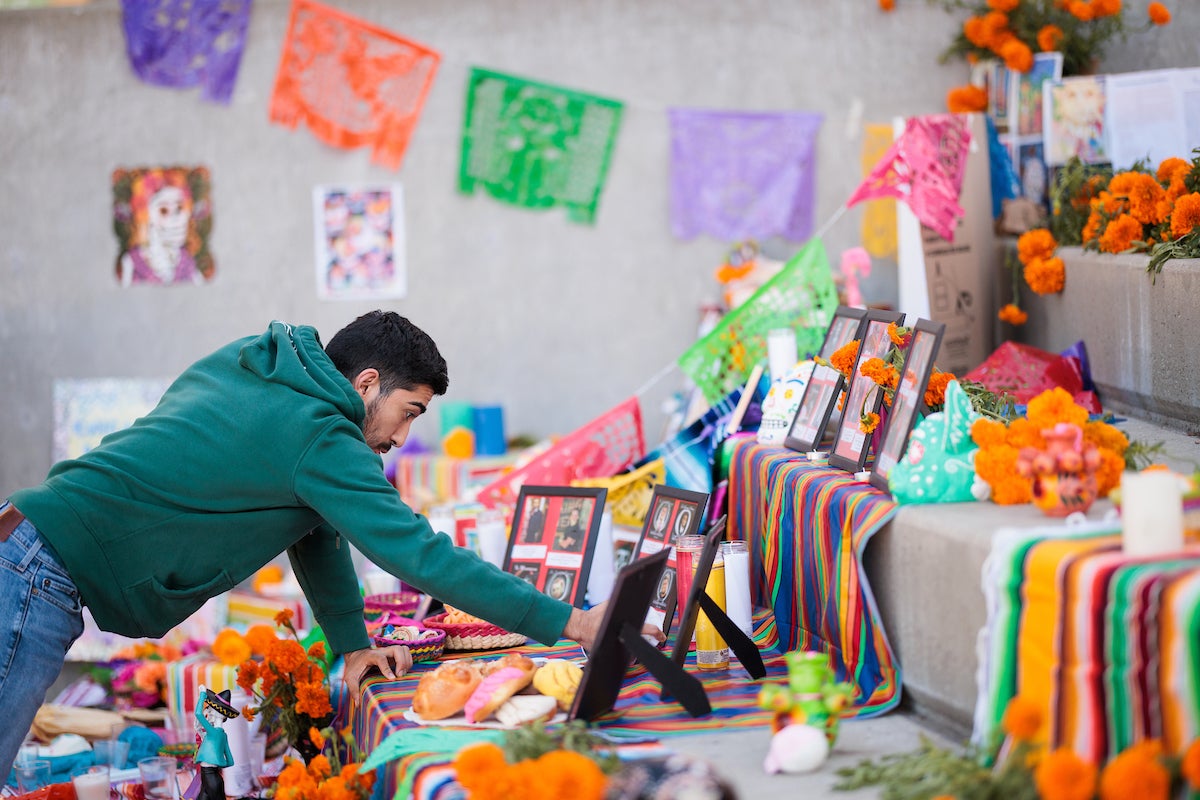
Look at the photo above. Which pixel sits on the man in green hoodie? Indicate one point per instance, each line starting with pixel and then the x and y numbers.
pixel 270 444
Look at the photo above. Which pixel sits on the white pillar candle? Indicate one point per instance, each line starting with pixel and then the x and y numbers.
pixel 92 785
pixel 737 585
pixel 238 779
pixel 1151 513
pixel 493 536
pixel 781 352
pixel 603 572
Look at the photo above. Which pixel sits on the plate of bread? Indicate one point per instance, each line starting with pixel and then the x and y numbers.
pixel 505 692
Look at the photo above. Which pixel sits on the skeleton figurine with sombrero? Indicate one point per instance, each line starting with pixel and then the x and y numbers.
pixel 212 711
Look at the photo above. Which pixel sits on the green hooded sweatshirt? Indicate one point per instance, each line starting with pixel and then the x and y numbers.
pixel 255 449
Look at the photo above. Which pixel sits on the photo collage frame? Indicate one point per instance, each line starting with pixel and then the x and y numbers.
pixel 553 539
pixel 850 444
pixel 825 385
pixel 673 513
pixel 909 399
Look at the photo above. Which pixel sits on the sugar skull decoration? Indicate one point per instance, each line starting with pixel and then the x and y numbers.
pixel 938 465
pixel 781 403
pixel 162 217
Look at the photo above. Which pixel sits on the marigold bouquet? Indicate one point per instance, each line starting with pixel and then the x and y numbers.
pixel 289 683
pixel 1000 446
pixel 332 777
pixel 1013 30
pixel 569 763
pixel 886 372
pixel 1027 771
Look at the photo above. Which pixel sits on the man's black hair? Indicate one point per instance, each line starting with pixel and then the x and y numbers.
pixel 405 355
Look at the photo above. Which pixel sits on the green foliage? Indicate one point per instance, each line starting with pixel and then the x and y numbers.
pixel 1000 406
pixel 1140 455
pixel 1074 185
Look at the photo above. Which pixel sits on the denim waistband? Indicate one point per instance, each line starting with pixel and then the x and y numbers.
pixel 26 536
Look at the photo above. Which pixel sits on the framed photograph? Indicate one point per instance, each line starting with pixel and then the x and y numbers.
pixel 821 393
pixel 673 513
pixel 620 639
pixel 553 539
pixel 1026 92
pixel 1074 111
pixel 359 242
pixel 909 399
pixel 864 396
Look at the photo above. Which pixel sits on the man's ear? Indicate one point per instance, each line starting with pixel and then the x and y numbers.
pixel 365 380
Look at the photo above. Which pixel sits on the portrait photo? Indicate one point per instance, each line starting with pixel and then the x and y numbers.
pixel 527 571
pixel 660 518
pixel 559 583
pixel 683 521
pixel 573 517
pixel 664 593
pixel 535 521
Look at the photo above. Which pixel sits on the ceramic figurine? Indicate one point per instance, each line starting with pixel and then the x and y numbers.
pixel 812 697
pixel 796 748
pixel 213 755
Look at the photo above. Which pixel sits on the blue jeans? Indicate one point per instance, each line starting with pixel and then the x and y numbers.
pixel 40 618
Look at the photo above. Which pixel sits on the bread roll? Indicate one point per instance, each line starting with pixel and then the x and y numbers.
pixel 523 709
pixel 511 660
pixel 444 691
pixel 494 690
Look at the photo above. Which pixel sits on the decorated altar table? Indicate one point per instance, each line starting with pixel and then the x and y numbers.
pixel 807 525
pixel 639 717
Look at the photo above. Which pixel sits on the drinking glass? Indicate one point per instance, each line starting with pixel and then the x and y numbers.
pixel 113 752
pixel 158 777
pixel 32 775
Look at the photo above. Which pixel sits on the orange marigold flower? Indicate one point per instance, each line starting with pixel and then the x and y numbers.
pixel 230 647
pixel 878 371
pixel 975 32
pixel 1023 433
pixel 1189 767
pixel 967 99
pixel 1012 491
pixel 1159 14
pixel 1120 234
pixel 320 767
pixel 1003 5
pixel 1012 314
pixel 887 5
pixel 844 357
pixel 317 650
pixel 248 713
pixel 1145 198
pixel 1016 55
pixel 284 618
pixel 988 432
pixel 1105 8
pixel 1062 775
pixel 1186 216
pixel 1135 773
pixel 1172 168
pixel 1037 243
pixel 1108 475
pixel 899 334
pixel 994 464
pixel 565 773
pixel 1102 434
pixel 868 422
pixel 260 637
pixel 1022 719
pixel 1080 10
pixel 316 738
pixel 1049 37
pixel 476 765
pixel 935 393
pixel 1091 229
pixel 1054 406
pixel 286 656
pixel 1046 275
pixel 312 699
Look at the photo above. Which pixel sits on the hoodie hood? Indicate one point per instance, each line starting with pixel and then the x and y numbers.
pixel 293 356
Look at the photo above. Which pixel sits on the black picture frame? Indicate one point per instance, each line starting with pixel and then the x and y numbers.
pixel 620 640
pixel 863 395
pixel 825 384
pixel 909 398
pixel 554 551
pixel 681 512
pixel 698 600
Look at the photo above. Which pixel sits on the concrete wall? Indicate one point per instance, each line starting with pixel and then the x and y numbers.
pixel 554 320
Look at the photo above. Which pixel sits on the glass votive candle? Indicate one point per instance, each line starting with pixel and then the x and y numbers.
pixel 92 783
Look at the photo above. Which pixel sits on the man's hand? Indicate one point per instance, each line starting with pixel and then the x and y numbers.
pixel 584 627
pixel 392 661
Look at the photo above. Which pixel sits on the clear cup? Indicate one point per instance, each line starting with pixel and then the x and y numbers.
pixel 158 778
pixel 30 751
pixel 92 783
pixel 32 775
pixel 113 752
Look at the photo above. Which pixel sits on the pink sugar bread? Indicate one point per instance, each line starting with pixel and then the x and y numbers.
pixel 482 697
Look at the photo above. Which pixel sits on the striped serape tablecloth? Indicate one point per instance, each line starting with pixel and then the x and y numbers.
pixel 807 526
pixel 1107 645
pixel 639 713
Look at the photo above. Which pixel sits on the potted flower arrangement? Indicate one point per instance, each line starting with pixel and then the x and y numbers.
pixel 289 684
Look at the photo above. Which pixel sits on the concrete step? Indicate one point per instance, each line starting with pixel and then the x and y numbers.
pixel 925 570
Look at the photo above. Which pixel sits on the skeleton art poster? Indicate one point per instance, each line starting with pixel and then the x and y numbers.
pixel 360 242
pixel 162 217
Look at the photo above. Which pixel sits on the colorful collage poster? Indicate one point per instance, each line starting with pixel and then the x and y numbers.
pixel 553 538
pixel 673 513
pixel 1073 109
pixel 88 409
pixel 360 242
pixel 1027 124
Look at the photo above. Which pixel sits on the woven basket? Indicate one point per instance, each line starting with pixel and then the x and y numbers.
pixel 428 649
pixel 402 603
pixel 474 635
pixel 629 493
